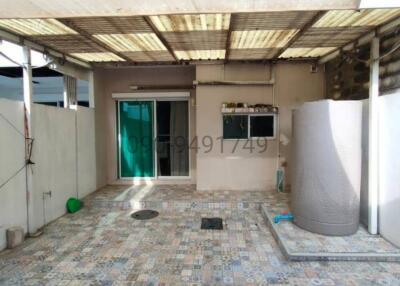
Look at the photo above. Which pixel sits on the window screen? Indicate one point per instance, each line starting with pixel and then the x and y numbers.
pixel 235 126
pixel 262 126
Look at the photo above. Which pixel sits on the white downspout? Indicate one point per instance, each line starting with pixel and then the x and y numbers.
pixel 373 187
pixel 28 101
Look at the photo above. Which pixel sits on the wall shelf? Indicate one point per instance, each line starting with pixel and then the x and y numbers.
pixel 249 110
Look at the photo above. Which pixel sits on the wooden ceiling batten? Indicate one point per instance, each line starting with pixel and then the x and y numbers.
pixel 90 37
pixel 160 37
pixel 305 27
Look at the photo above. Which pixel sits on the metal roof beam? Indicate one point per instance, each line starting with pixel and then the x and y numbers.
pixel 228 39
pixel 303 29
pixel 40 48
pixel 161 38
pixel 363 39
pixel 90 37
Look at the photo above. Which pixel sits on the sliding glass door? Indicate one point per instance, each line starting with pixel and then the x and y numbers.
pixel 153 138
pixel 172 138
pixel 136 126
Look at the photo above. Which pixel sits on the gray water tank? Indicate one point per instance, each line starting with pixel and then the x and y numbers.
pixel 326 166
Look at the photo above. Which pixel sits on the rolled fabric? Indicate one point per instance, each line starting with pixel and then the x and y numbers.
pixel 326 166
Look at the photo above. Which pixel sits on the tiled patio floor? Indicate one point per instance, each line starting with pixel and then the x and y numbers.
pixel 172 197
pixel 100 246
pixel 299 244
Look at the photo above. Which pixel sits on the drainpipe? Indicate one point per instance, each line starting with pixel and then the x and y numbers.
pixel 277 125
pixel 28 93
pixel 373 156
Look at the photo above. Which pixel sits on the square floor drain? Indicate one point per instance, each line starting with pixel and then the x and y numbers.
pixel 211 223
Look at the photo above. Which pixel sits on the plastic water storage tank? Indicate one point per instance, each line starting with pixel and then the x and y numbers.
pixel 326 168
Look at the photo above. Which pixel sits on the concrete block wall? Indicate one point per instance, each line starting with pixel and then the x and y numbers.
pixel 64 154
pixel 294 85
pixel 389 167
pixel 12 158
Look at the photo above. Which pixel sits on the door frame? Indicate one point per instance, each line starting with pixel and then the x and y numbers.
pixel 164 96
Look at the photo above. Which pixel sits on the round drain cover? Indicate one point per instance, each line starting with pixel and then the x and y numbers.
pixel 144 214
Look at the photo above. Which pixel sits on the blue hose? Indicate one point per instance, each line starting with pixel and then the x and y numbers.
pixel 288 217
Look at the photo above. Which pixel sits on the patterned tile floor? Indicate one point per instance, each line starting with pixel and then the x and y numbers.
pixel 172 196
pixel 302 244
pixel 172 192
pixel 107 247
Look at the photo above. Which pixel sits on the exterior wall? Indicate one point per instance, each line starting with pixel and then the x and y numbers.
pixel 55 162
pixel 294 85
pixel 389 167
pixel 243 169
pixel 85 152
pixel 64 157
pixel 12 154
pixel 109 81
pixel 224 169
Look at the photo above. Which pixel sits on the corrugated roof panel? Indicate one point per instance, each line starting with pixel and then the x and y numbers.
pixel 328 37
pixel 196 40
pixel 261 39
pixel 149 56
pixel 112 25
pixel 200 55
pixel 31 27
pixel 132 42
pixel 306 52
pixel 69 43
pixel 271 20
pixel 343 18
pixel 98 57
pixel 252 54
pixel 199 22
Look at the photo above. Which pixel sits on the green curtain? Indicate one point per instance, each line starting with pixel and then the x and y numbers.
pixel 136 131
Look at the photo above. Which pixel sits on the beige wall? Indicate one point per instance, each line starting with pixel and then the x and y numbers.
pixel 214 170
pixel 243 169
pixel 118 80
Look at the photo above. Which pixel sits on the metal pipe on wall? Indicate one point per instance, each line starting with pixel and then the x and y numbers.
pixel 28 101
pixel 373 156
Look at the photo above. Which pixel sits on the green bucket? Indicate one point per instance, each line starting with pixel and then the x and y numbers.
pixel 73 205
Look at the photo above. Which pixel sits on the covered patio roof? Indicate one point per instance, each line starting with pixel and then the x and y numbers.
pixel 107 8
pixel 176 38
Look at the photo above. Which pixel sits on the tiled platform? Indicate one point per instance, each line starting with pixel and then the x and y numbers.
pixel 173 197
pixel 298 244
pixel 105 246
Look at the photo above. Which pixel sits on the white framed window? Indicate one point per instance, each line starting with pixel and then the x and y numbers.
pixel 262 125
pixel 245 126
